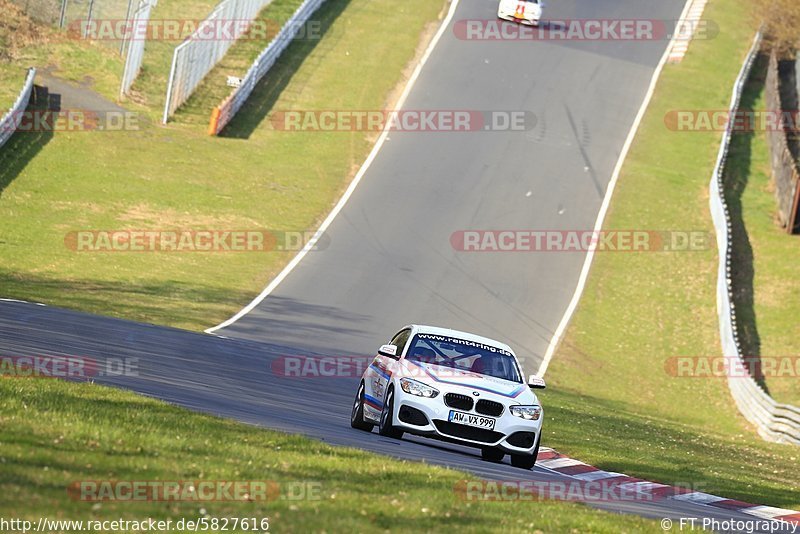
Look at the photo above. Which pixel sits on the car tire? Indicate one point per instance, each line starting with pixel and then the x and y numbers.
pixel 526 461
pixel 357 414
pixel 491 454
pixel 385 427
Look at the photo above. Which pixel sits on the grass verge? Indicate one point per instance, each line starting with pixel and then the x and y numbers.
pixel 53 434
pixel 767 292
pixel 12 79
pixel 241 55
pixel 612 401
pixel 178 178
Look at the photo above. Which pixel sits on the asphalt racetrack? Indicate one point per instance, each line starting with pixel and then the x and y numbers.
pixel 389 260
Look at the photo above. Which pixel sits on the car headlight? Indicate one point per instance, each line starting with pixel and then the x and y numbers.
pixel 531 413
pixel 417 388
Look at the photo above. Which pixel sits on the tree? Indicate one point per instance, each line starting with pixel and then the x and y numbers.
pixel 781 20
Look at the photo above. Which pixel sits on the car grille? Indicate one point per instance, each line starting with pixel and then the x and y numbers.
pixel 487 407
pixel 460 402
pixel 467 432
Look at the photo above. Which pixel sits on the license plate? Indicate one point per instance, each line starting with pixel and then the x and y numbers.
pixel 471 420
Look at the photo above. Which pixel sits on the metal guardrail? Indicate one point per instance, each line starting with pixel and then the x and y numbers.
pixel 135 55
pixel 12 119
pixel 774 421
pixel 194 58
pixel 222 114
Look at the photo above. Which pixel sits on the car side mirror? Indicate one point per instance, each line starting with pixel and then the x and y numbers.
pixel 535 382
pixel 388 350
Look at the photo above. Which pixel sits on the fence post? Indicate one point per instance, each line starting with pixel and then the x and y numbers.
pixel 88 19
pixel 63 15
pixel 127 21
pixel 797 73
pixel 169 85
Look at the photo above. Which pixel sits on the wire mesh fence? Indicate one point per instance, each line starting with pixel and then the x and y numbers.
pixel 222 114
pixel 135 46
pixel 77 16
pixel 785 168
pixel 43 11
pixel 194 58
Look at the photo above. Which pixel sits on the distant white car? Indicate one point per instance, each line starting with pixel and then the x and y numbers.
pixel 523 11
pixel 452 386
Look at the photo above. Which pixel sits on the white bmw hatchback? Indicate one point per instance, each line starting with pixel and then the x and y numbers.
pixel 452 386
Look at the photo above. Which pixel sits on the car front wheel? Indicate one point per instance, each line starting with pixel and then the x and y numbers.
pixel 490 454
pixel 526 461
pixel 357 415
pixel 385 428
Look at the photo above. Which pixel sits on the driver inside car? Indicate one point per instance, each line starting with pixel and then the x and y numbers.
pixel 423 355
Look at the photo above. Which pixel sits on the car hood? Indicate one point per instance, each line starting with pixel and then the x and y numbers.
pixel 528 5
pixel 441 377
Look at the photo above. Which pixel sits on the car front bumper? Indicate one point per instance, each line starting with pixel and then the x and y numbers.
pixel 512 434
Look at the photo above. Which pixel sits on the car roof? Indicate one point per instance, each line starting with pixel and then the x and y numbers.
pixel 437 330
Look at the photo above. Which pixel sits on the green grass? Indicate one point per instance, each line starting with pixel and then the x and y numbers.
pixel 96 65
pixel 611 401
pixel 12 79
pixel 53 434
pixel 18 35
pixel 767 292
pixel 177 177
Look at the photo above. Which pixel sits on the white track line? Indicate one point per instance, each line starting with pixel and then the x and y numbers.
pixel 346 196
pixel 606 201
pixel 23 302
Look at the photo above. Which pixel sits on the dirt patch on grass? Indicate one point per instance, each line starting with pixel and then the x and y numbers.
pixel 17 32
pixel 145 215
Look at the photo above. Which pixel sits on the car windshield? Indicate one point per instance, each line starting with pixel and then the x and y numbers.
pixel 464 355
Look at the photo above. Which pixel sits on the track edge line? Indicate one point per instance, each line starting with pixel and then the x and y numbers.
pixel 601 215
pixel 353 184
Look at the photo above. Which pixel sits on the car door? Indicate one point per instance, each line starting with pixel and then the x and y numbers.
pixel 380 373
